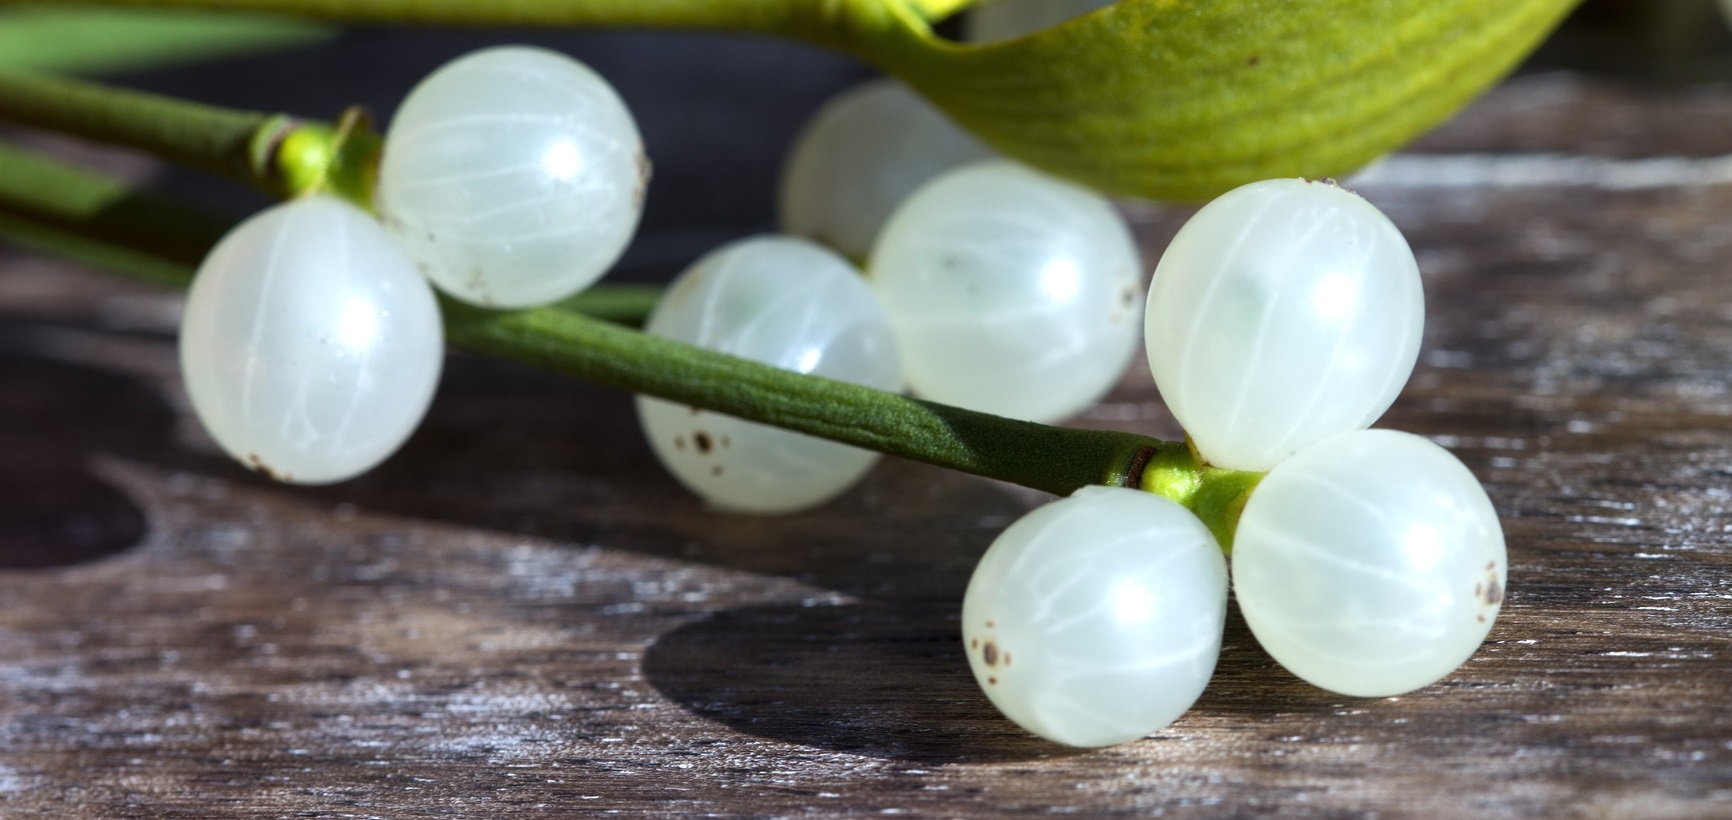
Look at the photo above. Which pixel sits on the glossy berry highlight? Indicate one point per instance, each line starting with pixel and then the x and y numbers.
pixel 1097 619
pixel 782 301
pixel 1012 292
pixel 1282 313
pixel 310 345
pixel 514 176
pixel 1370 564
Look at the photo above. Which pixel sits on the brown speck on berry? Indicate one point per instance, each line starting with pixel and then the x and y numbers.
pixel 989 654
pixel 259 466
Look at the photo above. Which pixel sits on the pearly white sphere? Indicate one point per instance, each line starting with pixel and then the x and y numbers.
pixel 1370 564
pixel 1012 292
pixel 1282 313
pixel 1097 619
pixel 514 176
pixel 1005 19
pixel 310 346
pixel 783 301
pixel 862 154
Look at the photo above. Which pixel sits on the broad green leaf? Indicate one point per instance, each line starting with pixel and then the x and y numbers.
pixel 1168 99
pixel 94 41
pixel 1184 99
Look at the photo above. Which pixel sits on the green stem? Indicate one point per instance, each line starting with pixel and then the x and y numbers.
pixel 617 13
pixel 96 219
pixel 833 23
pixel 214 139
pixel 56 207
pixel 1055 459
pixel 1216 495
pixel 278 154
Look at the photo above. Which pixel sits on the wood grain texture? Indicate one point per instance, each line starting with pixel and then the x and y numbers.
pixel 521 616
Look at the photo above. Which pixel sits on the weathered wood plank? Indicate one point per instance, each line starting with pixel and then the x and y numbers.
pixel 521 616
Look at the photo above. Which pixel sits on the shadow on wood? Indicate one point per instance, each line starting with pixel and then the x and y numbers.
pixel 54 417
pixel 793 673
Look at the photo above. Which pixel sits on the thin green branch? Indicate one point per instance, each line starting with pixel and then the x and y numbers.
pixel 833 23
pixel 215 139
pixel 95 40
pixel 1055 459
pixel 55 207
pixel 730 14
pixel 74 212
pixel 73 202
pixel 275 153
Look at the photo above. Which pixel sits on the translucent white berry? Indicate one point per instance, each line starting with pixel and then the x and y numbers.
pixel 1369 564
pixel 1097 619
pixel 782 301
pixel 514 176
pixel 862 154
pixel 310 345
pixel 1012 292
pixel 1004 19
pixel 1283 313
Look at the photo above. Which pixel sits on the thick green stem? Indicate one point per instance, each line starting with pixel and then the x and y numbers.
pixel 833 23
pixel 275 153
pixel 215 139
pixel 92 41
pixel 1055 459
pixel 51 206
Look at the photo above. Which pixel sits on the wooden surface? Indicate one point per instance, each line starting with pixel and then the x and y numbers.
pixel 521 616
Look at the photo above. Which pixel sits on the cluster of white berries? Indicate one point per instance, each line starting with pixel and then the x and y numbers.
pixel 312 343
pixel 1283 319
pixel 987 285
